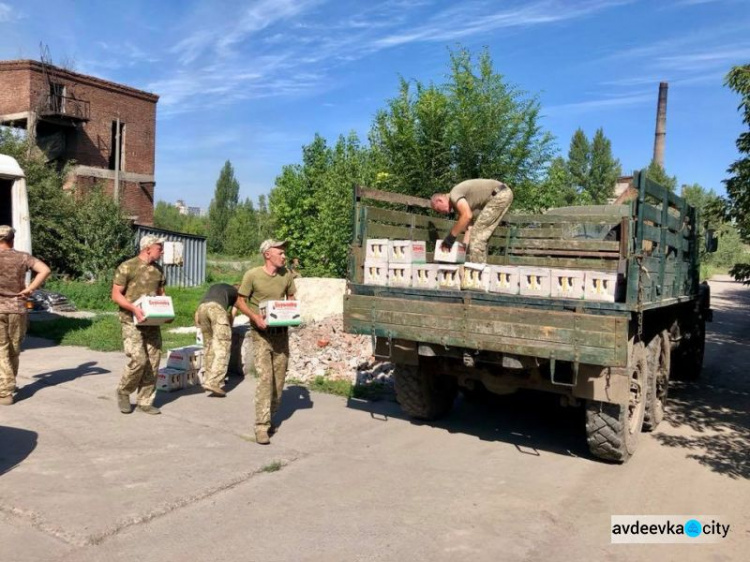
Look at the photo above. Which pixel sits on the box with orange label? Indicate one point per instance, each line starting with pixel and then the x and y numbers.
pixel 158 310
pixel 280 313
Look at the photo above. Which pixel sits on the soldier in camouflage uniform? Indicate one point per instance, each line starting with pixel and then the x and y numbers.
pixel 271 281
pixel 13 318
pixel 489 199
pixel 214 319
pixel 135 278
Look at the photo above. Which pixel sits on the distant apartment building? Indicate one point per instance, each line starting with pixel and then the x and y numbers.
pixel 108 130
pixel 185 210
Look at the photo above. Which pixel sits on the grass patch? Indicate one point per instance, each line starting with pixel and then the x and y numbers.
pixel 339 387
pixel 273 466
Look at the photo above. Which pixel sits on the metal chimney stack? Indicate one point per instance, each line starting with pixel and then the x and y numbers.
pixel 661 124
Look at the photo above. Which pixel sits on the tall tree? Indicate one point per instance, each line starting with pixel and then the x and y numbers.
pixel 223 205
pixel 242 236
pixel 657 173
pixel 579 160
pixel 605 169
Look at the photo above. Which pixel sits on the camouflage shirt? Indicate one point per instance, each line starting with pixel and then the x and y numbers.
pixel 13 268
pixel 139 279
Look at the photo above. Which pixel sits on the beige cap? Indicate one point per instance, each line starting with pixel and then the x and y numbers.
pixel 271 243
pixel 150 240
pixel 6 232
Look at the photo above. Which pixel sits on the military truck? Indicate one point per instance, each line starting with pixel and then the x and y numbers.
pixel 613 358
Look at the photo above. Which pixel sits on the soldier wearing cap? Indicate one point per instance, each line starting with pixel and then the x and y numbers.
pixel 271 281
pixel 135 278
pixel 13 294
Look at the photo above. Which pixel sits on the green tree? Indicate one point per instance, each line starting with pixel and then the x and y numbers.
pixel 222 207
pixel 557 189
pixel 657 173
pixel 242 236
pixel 168 217
pixel 579 160
pixel 738 184
pixel 605 169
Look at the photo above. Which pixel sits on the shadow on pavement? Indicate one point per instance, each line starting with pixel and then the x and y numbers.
pixel 293 398
pixel 15 445
pixel 61 376
pixel 533 422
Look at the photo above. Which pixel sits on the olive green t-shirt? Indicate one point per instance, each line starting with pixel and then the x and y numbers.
pixel 476 192
pixel 259 286
pixel 139 279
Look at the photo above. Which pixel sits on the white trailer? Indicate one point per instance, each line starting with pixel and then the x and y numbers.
pixel 14 203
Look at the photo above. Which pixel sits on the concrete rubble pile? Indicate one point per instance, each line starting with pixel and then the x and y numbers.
pixel 322 348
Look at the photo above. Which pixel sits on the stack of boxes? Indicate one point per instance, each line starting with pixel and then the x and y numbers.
pixel 403 263
pixel 183 369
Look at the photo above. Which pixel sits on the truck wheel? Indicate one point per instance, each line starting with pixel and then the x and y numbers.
pixel 422 393
pixel 657 384
pixel 612 430
pixel 689 364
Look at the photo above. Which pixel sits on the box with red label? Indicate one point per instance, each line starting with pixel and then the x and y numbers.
pixel 280 313
pixel 168 380
pixel 457 253
pixel 185 358
pixel 158 310
pixel 407 251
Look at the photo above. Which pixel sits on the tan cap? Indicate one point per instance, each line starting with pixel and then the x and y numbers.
pixel 271 243
pixel 6 232
pixel 150 240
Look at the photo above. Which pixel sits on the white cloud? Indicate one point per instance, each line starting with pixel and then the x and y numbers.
pixel 604 103
pixel 6 13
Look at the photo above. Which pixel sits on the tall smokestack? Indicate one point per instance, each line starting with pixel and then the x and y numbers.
pixel 661 124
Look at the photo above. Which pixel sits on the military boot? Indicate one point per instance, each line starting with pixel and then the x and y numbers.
pixel 261 436
pixel 123 402
pixel 153 410
pixel 6 400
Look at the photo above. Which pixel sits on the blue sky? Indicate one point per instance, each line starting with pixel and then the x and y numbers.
pixel 253 81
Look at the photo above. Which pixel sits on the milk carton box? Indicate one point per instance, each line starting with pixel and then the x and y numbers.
pixel 476 277
pixel 424 276
pixel 185 358
pixel 600 286
pixel 534 281
pixel 566 283
pixel 168 379
pixel 457 253
pixel 192 378
pixel 504 279
pixel 376 249
pixel 376 273
pixel 449 277
pixel 407 251
pixel 399 275
pixel 280 313
pixel 158 310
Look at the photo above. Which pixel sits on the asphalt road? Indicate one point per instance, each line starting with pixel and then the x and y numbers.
pixel 353 480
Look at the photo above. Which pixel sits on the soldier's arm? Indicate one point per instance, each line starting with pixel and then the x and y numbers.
pixel 256 319
pixel 42 271
pixel 118 296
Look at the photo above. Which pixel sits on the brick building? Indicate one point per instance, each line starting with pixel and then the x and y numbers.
pixel 72 116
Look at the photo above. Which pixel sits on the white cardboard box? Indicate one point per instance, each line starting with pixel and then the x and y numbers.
pixel 185 358
pixel 449 277
pixel 376 273
pixel 476 277
pixel 192 378
pixel 376 249
pixel 457 253
pixel 168 380
pixel 281 313
pixel 407 251
pixel 566 283
pixel 158 310
pixel 399 275
pixel 424 276
pixel 534 281
pixel 600 286
pixel 504 279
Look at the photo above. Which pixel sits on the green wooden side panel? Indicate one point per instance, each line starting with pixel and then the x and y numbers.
pixel 564 335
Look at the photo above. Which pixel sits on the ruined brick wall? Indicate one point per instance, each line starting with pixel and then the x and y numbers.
pixel 15 96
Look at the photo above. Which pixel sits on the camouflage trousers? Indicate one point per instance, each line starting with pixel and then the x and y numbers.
pixel 216 325
pixel 486 223
pixel 271 355
pixel 12 331
pixel 142 347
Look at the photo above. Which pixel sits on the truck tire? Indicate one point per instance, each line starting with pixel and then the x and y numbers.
pixel 612 430
pixel 689 364
pixel 657 384
pixel 422 393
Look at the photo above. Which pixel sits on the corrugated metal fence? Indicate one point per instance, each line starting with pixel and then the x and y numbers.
pixel 193 272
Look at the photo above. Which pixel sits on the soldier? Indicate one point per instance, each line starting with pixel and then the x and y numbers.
pixel 214 319
pixel 13 292
pixel 271 281
pixel 489 198
pixel 135 278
